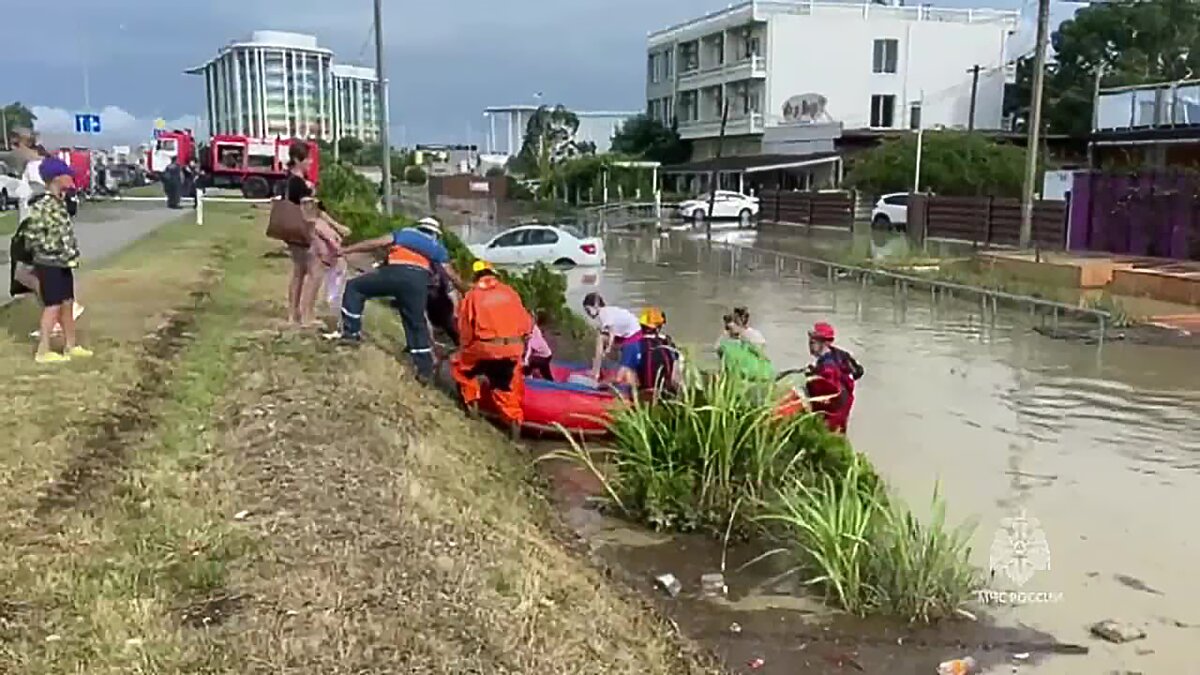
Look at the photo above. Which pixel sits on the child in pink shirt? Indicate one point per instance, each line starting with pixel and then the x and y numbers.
pixel 538 352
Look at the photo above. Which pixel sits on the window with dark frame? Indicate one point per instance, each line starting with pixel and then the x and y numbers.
pixel 886 55
pixel 883 111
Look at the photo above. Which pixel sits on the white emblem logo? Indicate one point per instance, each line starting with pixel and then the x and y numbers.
pixel 1019 549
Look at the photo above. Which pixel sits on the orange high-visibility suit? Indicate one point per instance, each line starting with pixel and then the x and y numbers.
pixel 493 325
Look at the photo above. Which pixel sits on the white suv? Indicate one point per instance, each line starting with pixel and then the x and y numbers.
pixel 9 182
pixel 891 211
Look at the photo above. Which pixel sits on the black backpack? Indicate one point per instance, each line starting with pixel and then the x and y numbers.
pixel 19 253
pixel 852 367
pixel 658 362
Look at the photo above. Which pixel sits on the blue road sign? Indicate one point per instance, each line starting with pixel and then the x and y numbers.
pixel 87 123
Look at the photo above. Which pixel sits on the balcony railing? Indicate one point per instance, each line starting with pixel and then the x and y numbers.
pixel 754 66
pixel 736 125
pixel 1170 104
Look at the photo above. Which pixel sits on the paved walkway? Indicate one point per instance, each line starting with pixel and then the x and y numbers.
pixel 105 229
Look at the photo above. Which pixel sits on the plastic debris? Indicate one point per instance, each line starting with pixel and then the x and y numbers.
pixel 757 663
pixel 669 584
pixel 963 666
pixel 241 515
pixel 735 628
pixel 713 584
pixel 1117 631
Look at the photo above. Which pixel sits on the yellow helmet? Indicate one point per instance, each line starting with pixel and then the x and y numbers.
pixel 652 317
pixel 479 266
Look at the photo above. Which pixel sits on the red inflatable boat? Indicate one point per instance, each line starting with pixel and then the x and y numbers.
pixel 578 408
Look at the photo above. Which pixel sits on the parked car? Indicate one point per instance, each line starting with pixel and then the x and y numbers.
pixel 551 244
pixel 891 211
pixel 726 204
pixel 9 182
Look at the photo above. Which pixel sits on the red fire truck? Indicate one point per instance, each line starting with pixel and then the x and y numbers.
pixel 80 161
pixel 257 166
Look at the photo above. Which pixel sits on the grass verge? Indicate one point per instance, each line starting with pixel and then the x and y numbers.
pixel 284 506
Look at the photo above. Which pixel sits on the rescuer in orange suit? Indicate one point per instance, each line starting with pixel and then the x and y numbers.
pixel 493 325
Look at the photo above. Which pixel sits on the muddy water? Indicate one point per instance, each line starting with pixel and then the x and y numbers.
pixel 1102 448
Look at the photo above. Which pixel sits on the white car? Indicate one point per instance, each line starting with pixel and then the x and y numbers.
pixel 891 211
pixel 551 244
pixel 9 183
pixel 726 204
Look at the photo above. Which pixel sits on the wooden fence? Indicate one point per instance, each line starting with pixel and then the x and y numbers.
pixel 985 221
pixel 831 209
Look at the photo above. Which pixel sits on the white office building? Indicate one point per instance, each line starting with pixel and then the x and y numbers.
pixel 276 83
pixel 356 103
pixel 783 64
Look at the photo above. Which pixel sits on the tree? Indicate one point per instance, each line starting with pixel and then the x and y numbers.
pixel 415 175
pixel 646 137
pixel 17 116
pixel 349 147
pixel 1136 43
pixel 955 163
pixel 549 139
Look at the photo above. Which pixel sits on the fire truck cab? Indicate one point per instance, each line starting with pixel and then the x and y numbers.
pixel 256 166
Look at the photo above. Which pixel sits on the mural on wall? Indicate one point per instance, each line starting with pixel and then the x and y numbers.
pixel 806 108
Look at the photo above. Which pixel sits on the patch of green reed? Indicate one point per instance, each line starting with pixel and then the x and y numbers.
pixel 870 554
pixel 686 462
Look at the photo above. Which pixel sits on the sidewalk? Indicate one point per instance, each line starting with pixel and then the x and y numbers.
pixel 106 229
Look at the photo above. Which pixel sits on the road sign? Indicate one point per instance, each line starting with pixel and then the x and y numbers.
pixel 87 123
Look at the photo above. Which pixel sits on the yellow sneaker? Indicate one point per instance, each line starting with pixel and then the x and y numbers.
pixel 51 357
pixel 78 352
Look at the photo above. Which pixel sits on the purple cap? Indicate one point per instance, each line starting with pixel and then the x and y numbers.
pixel 53 167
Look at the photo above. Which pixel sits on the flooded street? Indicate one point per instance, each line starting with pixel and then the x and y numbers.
pixel 1101 447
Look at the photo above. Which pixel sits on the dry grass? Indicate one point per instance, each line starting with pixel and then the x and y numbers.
pixel 384 532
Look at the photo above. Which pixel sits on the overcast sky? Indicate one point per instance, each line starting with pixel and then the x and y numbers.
pixel 447 59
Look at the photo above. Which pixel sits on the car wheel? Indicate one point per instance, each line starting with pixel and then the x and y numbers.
pixel 256 187
pixel 3 200
pixel 564 262
pixel 882 222
pixel 699 215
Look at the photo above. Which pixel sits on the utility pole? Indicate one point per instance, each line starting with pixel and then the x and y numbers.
pixel 920 146
pixel 712 176
pixel 1035 124
pixel 974 70
pixel 383 109
pixel 1095 112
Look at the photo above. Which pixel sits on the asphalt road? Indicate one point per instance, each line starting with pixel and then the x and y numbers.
pixel 106 228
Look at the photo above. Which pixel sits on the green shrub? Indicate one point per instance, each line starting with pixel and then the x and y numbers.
pixel 870 554
pixel 415 175
pixel 715 452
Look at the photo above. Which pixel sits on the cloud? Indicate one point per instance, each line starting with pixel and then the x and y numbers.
pixel 56 126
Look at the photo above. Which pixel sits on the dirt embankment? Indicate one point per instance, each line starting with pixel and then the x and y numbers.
pixel 280 505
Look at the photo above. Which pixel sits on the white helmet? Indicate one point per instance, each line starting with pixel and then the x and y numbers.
pixel 430 226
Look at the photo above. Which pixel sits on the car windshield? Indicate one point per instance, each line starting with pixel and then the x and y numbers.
pixel 571 230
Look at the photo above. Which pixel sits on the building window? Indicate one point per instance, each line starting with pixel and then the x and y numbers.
pixel 885 56
pixel 669 110
pixel 651 71
pixel 669 58
pixel 883 111
pixel 914 115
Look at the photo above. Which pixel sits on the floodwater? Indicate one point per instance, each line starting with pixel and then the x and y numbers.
pixel 1098 449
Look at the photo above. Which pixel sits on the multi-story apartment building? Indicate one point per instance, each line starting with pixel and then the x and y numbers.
pixel 792 62
pixel 284 84
pixel 356 104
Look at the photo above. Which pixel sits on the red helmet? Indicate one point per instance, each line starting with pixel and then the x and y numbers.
pixel 822 331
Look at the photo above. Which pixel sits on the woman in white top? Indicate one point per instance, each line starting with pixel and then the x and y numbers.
pixel 746 332
pixel 615 327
